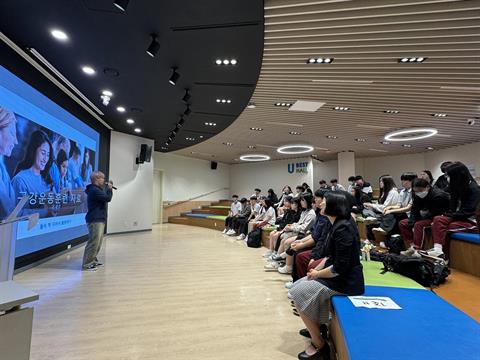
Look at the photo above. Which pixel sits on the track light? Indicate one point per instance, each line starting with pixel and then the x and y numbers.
pixel 154 46
pixel 187 111
pixel 175 76
pixel 187 96
pixel 121 4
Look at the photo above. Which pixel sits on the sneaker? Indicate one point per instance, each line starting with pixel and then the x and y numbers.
pixel 371 218
pixel 379 229
pixel 271 266
pixel 434 252
pixel 409 252
pixel 305 333
pixel 90 268
pixel 288 285
pixel 280 257
pixel 287 270
pixel 382 245
pixel 231 232
pixel 224 231
pixel 240 237
pixel 97 264
pixel 268 254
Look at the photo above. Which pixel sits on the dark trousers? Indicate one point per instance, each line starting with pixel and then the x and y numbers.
pixel 229 222
pixel 242 224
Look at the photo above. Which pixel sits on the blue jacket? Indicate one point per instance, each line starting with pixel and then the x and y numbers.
pixel 97 200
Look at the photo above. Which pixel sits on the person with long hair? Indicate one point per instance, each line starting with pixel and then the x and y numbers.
pixel 62 166
pixel 464 199
pixel 8 140
pixel 427 175
pixel 360 198
pixel 74 166
pixel 272 196
pixel 60 143
pixel 388 195
pixel 86 168
pixel 442 182
pixel 286 191
pixel 33 173
pixel 340 273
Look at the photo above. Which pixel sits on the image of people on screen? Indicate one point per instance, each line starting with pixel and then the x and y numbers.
pixel 8 139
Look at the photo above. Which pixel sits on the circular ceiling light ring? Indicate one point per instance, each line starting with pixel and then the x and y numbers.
pixel 254 157
pixel 295 149
pixel 417 134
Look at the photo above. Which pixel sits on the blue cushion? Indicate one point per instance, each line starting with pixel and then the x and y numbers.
pixel 198 215
pixel 427 327
pixel 468 237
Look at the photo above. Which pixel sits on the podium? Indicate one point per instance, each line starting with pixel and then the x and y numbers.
pixel 15 321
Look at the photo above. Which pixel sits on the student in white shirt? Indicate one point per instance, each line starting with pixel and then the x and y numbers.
pixel 336 186
pixel 234 210
pixel 351 183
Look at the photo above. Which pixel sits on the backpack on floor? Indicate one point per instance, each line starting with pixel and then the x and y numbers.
pixel 427 272
pixel 255 238
pixel 394 244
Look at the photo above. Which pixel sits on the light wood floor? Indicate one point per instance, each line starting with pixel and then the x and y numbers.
pixel 177 292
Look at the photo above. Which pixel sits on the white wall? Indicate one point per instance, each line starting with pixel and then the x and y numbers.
pixel 373 168
pixel 185 178
pixel 131 206
pixel 326 170
pixel 244 178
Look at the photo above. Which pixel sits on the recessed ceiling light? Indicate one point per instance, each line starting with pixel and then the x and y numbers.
pixel 130 121
pixel 295 133
pixel 121 4
pixel 283 104
pixel 121 109
pixel 429 148
pixel 412 60
pixel 107 93
pixel 360 140
pixel 439 115
pixel 137 130
pixel 251 105
pixel 391 111
pixel 295 149
pixel 407 145
pixel 210 124
pixel 190 139
pixel 218 62
pixel 154 46
pixel 385 142
pixel 59 35
pixel 319 60
pixel 224 101
pixel 256 129
pixel 88 70
pixel 332 137
pixel 233 62
pixel 226 62
pixel 411 134
pixel 227 143
pixel 201 136
pixel 174 77
pixel 251 147
pixel 254 157
pixel 341 108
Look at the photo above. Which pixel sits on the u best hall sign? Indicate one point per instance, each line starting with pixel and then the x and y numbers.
pixel 298 168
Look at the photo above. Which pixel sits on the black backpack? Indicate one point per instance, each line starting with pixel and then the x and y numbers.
pixel 255 238
pixel 395 244
pixel 426 272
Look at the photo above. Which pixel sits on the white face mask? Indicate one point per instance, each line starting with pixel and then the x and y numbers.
pixel 422 194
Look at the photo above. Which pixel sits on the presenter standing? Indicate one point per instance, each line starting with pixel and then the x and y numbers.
pixel 97 198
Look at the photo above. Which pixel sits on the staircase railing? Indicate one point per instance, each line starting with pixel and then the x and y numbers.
pixel 195 197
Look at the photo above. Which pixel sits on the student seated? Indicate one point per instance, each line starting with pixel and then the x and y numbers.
pixel 427 175
pixel 286 191
pixel 340 273
pixel 291 215
pixel 323 185
pixel 258 193
pixel 392 214
pixel 360 198
pixel 388 197
pixel 266 217
pixel 291 231
pixel 428 202
pixel 299 190
pixel 242 217
pixel 255 210
pixel 351 183
pixel 465 197
pixel 307 188
pixel 272 196
pixel 365 186
pixel 335 186
pixel 234 210
pixel 442 182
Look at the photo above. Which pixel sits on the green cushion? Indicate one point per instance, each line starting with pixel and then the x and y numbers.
pixel 220 207
pixel 373 277
pixel 217 217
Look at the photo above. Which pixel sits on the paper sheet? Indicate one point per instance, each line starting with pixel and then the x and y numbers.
pixel 374 302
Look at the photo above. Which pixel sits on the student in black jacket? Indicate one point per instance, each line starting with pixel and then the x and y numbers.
pixel 464 200
pixel 442 182
pixel 242 217
pixel 428 202
pixel 340 274
pixel 97 199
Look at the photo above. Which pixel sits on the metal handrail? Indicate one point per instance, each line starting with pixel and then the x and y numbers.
pixel 195 197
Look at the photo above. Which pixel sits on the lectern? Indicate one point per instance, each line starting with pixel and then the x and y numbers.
pixel 15 320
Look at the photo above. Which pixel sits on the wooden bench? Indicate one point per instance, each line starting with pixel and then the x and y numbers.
pixel 464 252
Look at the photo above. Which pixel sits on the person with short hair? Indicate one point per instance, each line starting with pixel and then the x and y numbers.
pixel 351 183
pixel 340 273
pixel 323 184
pixel 428 201
pixel 235 208
pixel 258 193
pixel 365 186
pixel 242 217
pixel 97 199
pixel 336 186
pixel 299 190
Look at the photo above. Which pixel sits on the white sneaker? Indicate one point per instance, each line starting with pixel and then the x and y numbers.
pixel 379 229
pixel 409 252
pixel 371 218
pixel 382 245
pixel 224 231
pixel 271 266
pixel 288 285
pixel 240 237
pixel 231 232
pixel 285 270
pixel 268 254
pixel 435 252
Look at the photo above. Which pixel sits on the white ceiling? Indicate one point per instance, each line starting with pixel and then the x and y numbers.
pixel 366 38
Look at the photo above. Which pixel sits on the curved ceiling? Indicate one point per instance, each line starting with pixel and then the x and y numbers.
pixel 365 39
pixel 192 36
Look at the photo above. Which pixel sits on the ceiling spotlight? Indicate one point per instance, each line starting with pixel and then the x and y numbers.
pixel 360 140
pixel 174 77
pixel 429 148
pixel 121 4
pixel 328 60
pixel 311 61
pixel 404 60
pixel 439 115
pixel 226 62
pixel 218 100
pixel 256 129
pixel 210 124
pixel 229 101
pixel 187 111
pixel 385 142
pixel 295 133
pixel 233 62
pixel 391 111
pixel 251 105
pixel 190 139
pixel 407 145
pixel 154 46
pixel 137 130
pixel 319 60
pixel 88 70
pixel 107 93
pixel 218 62
pixel 121 109
pixel 130 121
pixel 224 101
pixel 187 96
pixel 227 144
pixel 251 147
pixel 412 60
pixel 59 35
pixel 341 108
pixel 332 137
pixel 105 99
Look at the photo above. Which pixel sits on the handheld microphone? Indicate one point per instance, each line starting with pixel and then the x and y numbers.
pixel 113 187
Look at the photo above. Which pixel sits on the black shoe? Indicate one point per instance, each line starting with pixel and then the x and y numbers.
pixel 322 354
pixel 305 333
pixel 324 331
pixel 98 264
pixel 90 268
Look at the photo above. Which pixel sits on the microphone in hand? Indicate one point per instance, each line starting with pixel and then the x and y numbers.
pixel 110 185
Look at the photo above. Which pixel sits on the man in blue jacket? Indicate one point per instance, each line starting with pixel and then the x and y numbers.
pixel 97 198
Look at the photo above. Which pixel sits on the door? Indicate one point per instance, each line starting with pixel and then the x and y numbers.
pixel 157 197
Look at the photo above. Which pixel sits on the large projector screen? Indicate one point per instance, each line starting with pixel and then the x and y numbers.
pixel 47 154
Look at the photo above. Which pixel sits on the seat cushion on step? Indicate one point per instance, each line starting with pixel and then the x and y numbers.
pixel 468 237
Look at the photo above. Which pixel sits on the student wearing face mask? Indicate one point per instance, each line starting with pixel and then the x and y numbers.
pixel 428 202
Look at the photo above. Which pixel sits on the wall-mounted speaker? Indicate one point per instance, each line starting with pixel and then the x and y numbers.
pixel 213 165
pixel 145 154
